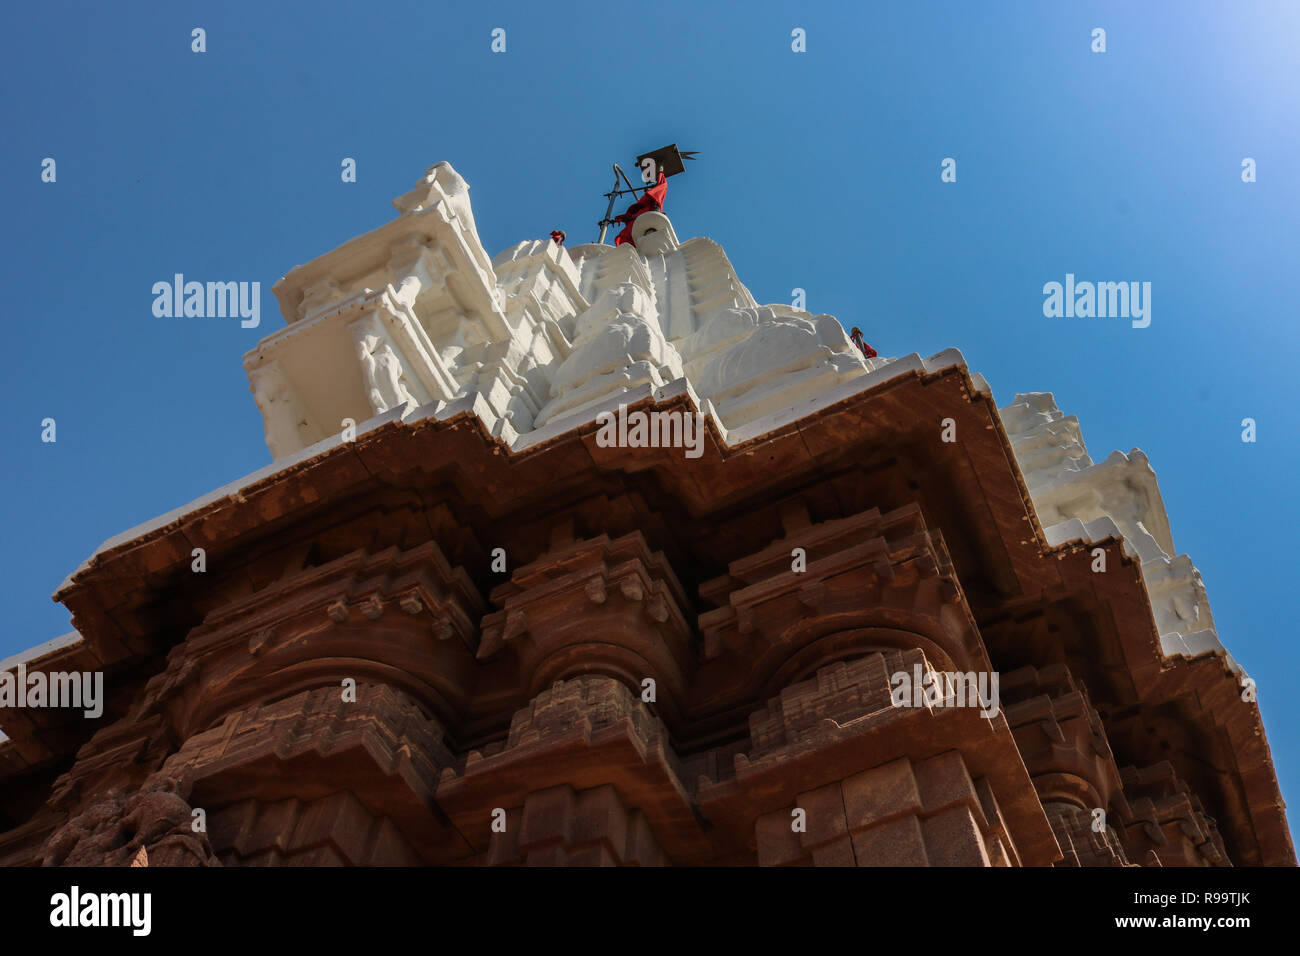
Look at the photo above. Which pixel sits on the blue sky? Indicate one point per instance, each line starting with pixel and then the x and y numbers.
pixel 817 170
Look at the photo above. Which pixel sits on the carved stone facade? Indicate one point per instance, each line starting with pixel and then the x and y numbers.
pixel 466 631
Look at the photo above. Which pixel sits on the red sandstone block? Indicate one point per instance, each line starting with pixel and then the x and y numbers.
pixel 503 848
pixel 836 853
pixel 944 782
pixel 323 855
pixel 953 838
pixel 878 794
pixel 824 808
pixel 548 816
pixel 995 824
pixel 552 854
pixel 226 825
pixel 339 818
pixel 596 854
pixel 390 847
pixel 600 816
pixel 269 825
pixel 898 842
pixel 271 857
pixel 777 844
pixel 642 847
pixel 997 852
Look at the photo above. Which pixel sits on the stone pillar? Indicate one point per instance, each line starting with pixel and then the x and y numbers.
pixel 560 826
pixel 901 813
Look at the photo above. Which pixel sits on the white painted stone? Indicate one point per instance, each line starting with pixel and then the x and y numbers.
pixel 1077 500
pixel 416 312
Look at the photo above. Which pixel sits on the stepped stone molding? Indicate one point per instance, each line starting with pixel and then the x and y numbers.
pixel 1078 500
pixel 563 827
pixel 876 571
pixel 898 814
pixel 615 608
pixel 381 749
pixel 1063 742
pixel 405 617
pixel 834 726
pixel 588 732
pixel 1164 823
pixel 335 830
pixel 1082 844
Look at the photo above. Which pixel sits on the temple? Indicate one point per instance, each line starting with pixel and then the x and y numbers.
pixel 448 626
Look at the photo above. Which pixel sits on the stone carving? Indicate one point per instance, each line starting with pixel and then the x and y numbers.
pixel 181 669
pixel 320 296
pixel 1077 499
pixel 281 414
pixel 415 268
pixel 440 181
pixel 116 829
pixel 770 356
pixel 558 331
pixel 382 370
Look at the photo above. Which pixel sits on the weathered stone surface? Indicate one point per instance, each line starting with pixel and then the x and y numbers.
pixel 151 827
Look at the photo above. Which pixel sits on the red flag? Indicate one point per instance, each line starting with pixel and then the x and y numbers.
pixel 856 336
pixel 652 200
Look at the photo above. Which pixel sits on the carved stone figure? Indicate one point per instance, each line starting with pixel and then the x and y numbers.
pixel 440 177
pixel 281 417
pixel 381 369
pixel 115 829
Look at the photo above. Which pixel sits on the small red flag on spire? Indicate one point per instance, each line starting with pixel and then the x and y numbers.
pixel 856 336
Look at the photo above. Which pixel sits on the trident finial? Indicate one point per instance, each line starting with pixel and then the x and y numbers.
pixel 656 166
